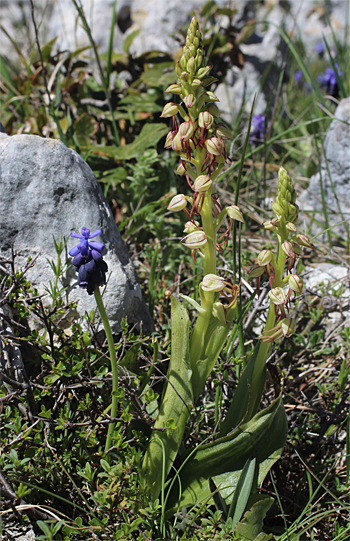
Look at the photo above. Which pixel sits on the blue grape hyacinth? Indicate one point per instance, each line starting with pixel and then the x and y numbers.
pixel 88 260
pixel 328 80
pixel 257 135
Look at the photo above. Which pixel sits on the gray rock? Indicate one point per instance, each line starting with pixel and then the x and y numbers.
pixel 157 21
pixel 335 175
pixel 47 189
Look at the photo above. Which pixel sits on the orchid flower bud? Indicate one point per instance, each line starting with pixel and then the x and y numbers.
pixel 222 131
pixel 278 296
pixel 191 65
pixel 169 139
pixel 194 240
pixel 271 224
pixel 202 183
pixel 186 131
pixel 218 311
pixel 174 89
pixel 264 258
pixel 287 247
pixel 177 143
pixel 256 271
pixel 190 227
pixel 205 120
pixel 210 96
pixel 202 72
pixel 189 101
pixel 196 83
pixel 177 203
pixel 288 326
pixel 291 227
pixel 170 109
pixel 296 283
pixel 214 146
pixel 212 282
pixel 199 60
pixel 181 169
pixel 235 213
pixel 303 240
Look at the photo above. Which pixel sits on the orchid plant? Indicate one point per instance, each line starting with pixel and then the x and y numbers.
pixel 248 441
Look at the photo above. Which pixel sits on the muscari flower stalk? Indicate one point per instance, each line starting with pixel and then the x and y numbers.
pixel 91 268
pixel 199 142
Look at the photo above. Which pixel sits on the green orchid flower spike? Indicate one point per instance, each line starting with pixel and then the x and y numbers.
pixel 245 436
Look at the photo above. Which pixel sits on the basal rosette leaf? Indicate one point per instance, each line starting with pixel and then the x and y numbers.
pixel 176 403
pixel 262 438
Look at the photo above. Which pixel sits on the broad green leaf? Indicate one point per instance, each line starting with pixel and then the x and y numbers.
pixel 251 527
pixel 149 137
pixel 176 403
pixel 242 492
pixel 157 77
pixel 241 399
pixel 263 438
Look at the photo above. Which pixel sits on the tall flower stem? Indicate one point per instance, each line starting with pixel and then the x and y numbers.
pixel 258 376
pixel 114 365
pixel 209 264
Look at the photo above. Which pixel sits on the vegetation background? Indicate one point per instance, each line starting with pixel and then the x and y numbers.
pixel 52 475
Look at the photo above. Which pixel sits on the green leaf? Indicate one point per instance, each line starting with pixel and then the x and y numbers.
pixel 44 528
pixel 176 403
pixel 139 102
pixel 262 438
pixel 240 402
pixel 46 49
pixel 44 412
pixel 156 77
pixel 149 137
pixel 251 527
pixel 129 39
pixel 242 492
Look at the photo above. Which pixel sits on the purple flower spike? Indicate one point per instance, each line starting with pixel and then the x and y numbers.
pixel 328 81
pixel 257 135
pixel 319 48
pixel 298 75
pixel 88 261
